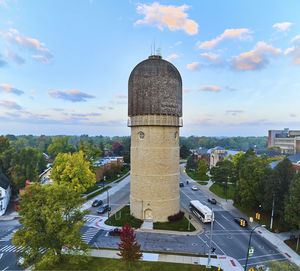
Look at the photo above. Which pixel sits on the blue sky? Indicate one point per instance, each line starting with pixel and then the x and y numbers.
pixel 64 65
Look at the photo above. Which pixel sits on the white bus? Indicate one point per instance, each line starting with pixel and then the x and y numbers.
pixel 204 213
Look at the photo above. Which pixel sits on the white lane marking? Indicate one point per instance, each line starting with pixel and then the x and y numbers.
pixel 218 247
pixel 5 268
pixel 220 224
pixel 186 195
pixel 1 255
pixel 202 240
pixel 226 218
pixel 266 255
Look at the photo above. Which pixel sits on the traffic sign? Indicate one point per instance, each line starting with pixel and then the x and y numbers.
pixel 184 170
pixel 251 251
pixel 251 269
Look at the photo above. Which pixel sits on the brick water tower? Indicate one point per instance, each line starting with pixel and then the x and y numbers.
pixel 155 111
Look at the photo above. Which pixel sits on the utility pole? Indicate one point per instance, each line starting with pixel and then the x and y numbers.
pixel 271 223
pixel 210 239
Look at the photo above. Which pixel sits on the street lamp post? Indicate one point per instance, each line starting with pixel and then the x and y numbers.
pixel 249 244
pixel 210 239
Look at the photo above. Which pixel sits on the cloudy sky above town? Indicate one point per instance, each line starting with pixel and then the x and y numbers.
pixel 64 65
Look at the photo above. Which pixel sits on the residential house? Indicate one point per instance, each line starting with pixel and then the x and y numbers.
pixel 5 191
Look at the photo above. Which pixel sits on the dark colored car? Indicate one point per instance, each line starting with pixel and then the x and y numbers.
pixel 115 232
pixel 212 201
pixel 181 184
pixel 97 203
pixel 103 209
pixel 241 221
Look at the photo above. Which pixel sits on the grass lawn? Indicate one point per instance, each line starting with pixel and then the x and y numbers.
pixel 219 191
pixel 193 175
pixel 106 264
pixel 98 193
pixel 181 225
pixel 292 244
pixel 122 217
pixel 265 219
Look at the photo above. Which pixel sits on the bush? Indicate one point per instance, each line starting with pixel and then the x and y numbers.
pixel 176 217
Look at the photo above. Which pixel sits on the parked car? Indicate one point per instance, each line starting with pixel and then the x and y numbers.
pixel 241 221
pixel 97 203
pixel 212 200
pixel 115 232
pixel 103 209
pixel 181 184
pixel 194 187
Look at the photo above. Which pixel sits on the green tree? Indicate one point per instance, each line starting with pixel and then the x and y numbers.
pixel 51 220
pixel 191 164
pixel 202 170
pixel 60 145
pixel 184 151
pixel 222 173
pixel 277 186
pixel 292 206
pixel 73 170
pixel 251 185
pixel 4 144
pixel 90 152
pixel 42 163
pixel 24 166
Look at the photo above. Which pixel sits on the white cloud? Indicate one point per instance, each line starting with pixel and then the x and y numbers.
pixel 295 50
pixel 295 39
pixel 282 26
pixel 234 112
pixel 256 58
pixel 74 95
pixel 120 96
pixel 210 88
pixel 14 57
pixel 9 89
pixel 239 33
pixel 172 17
pixel 186 90
pixel 172 57
pixel 230 88
pixel 193 66
pixel 29 43
pixel 10 105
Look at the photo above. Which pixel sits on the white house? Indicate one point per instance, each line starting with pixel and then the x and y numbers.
pixel 5 191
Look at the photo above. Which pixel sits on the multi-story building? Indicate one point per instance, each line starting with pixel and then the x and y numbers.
pixel 287 140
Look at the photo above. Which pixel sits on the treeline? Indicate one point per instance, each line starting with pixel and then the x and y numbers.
pixel 73 142
pixel 258 186
pixel 21 157
pixel 232 143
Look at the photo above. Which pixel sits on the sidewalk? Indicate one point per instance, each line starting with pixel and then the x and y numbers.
pixel 226 263
pixel 277 239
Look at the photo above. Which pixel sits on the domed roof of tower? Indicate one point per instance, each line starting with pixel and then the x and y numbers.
pixel 155 88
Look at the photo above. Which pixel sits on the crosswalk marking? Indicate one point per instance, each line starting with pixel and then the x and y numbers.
pixel 8 237
pixel 89 234
pixel 91 218
pixel 12 248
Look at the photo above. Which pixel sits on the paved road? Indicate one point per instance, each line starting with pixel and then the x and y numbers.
pixel 228 237
pixel 8 252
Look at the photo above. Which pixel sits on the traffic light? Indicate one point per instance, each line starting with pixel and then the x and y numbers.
pixel 243 223
pixel 257 215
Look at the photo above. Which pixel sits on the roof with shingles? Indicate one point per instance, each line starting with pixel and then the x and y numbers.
pixel 4 182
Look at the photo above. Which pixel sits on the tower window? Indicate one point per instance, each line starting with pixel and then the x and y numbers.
pixel 141 135
pixel 175 135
